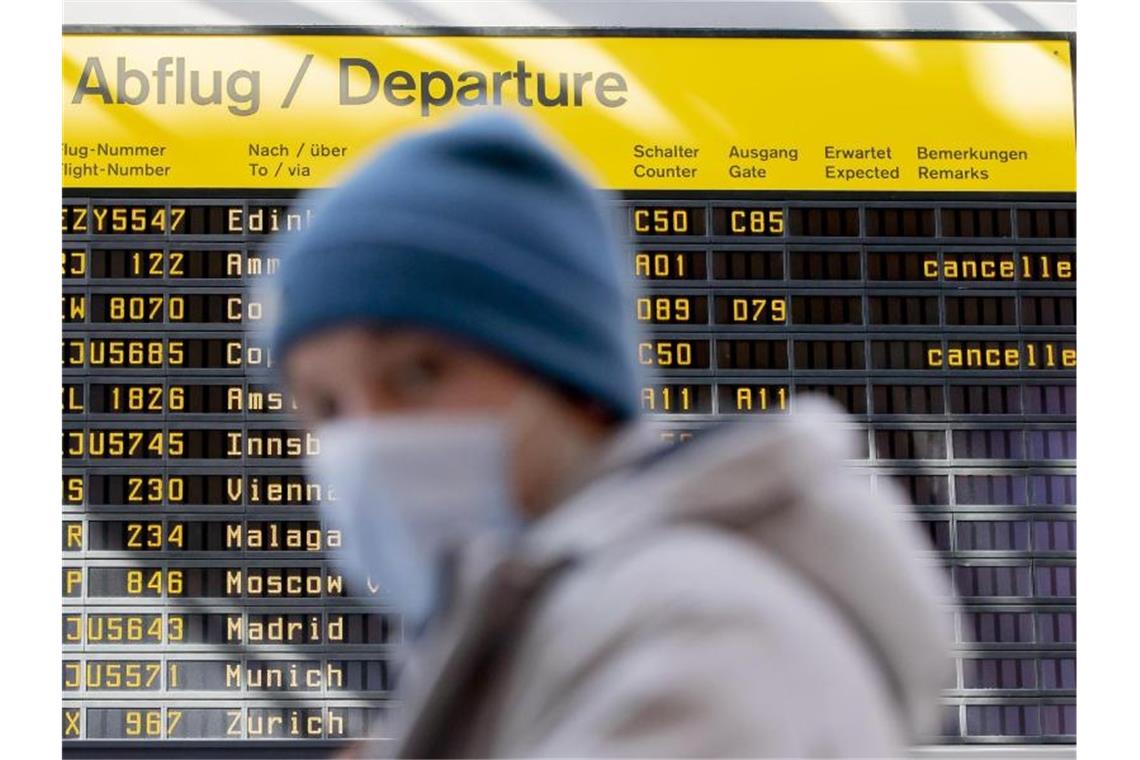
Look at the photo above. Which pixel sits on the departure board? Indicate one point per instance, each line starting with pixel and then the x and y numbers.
pixel 889 222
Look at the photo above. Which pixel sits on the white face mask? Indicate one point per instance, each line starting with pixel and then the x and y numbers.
pixel 408 487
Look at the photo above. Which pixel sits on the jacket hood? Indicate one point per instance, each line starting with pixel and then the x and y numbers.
pixel 782 484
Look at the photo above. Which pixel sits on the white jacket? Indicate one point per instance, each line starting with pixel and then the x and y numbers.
pixel 739 595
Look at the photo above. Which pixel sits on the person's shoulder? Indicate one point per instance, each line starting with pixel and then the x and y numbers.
pixel 675 575
pixel 699 619
pixel 692 591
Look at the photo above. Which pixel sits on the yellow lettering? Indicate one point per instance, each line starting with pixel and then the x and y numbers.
pixel 71 717
pixel 72 581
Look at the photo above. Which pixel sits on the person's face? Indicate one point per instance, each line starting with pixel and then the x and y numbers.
pixel 357 372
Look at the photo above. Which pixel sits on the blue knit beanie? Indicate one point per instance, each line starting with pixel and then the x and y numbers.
pixel 479 231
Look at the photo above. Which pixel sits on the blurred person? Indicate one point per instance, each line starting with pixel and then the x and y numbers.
pixel 456 326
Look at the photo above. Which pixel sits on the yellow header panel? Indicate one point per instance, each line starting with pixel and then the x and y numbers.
pixel 680 113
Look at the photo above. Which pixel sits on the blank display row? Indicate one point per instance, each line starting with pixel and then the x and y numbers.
pixel 1038 720
pixel 997 398
pixel 1051 490
pixel 1045 673
pixel 975 444
pixel 1018 627
pixel 1025 579
pixel 1020 535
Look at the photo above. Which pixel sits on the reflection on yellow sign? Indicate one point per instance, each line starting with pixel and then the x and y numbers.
pixel 686 113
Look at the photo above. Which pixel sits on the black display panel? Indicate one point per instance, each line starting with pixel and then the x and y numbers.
pixel 198 601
